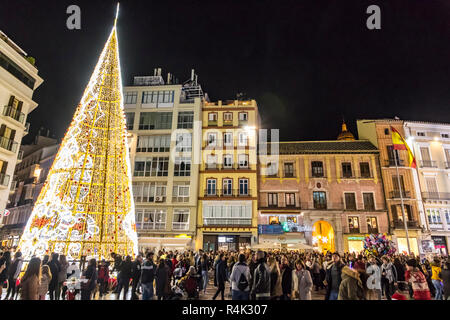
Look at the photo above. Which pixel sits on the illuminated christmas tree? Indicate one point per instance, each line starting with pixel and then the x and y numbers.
pixel 86 206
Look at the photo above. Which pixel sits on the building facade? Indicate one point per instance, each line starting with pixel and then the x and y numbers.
pixel 18 80
pixel 379 133
pixel 430 143
pixel 29 177
pixel 162 119
pixel 228 190
pixel 325 194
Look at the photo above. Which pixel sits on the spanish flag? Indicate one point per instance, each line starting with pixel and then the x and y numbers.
pixel 400 144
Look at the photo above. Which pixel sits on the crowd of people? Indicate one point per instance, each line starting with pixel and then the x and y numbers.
pixel 260 275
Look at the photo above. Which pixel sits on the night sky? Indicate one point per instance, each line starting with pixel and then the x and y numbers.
pixel 307 63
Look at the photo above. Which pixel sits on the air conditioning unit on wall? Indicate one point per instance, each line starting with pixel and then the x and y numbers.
pixel 158 199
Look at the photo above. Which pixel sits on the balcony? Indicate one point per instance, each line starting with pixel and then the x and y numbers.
pixel 391 163
pixel 428 164
pixel 447 165
pixel 180 225
pixel 372 230
pixel 20 155
pixel 212 123
pixel 224 193
pixel 4 179
pixel 353 230
pixel 14 114
pixel 227 222
pixel 436 195
pixel 217 166
pixel 396 194
pixel 398 224
pixel 243 122
pixel 289 175
pixel 227 123
pixel 27 127
pixel 8 144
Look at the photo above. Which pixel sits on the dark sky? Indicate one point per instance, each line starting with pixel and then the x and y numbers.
pixel 307 63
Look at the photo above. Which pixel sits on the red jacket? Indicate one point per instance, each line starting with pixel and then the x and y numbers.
pixel 419 284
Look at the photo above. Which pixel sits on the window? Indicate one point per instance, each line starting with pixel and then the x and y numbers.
pixel 211 161
pixel 228 118
pixel 272 199
pixel 434 216
pixel 158 98
pixel 180 219
pixel 243 160
pixel 393 156
pixel 353 224
pixel 184 142
pixel 432 187
pixel 211 187
pixel 364 168
pixel 151 167
pixel 227 185
pixel 243 116
pixel 386 131
pixel 372 225
pixel 320 200
pixel 228 139
pixel 182 167
pixel 288 169
pixel 129 118
pixel 16 71
pixel 396 187
pixel 212 139
pixel 447 216
pixel 317 168
pixel 397 215
pixel 155 120
pixel 180 192
pixel 150 219
pixel 185 119
pixel 130 97
pixel 160 143
pixel 149 191
pixel 243 139
pixel 212 118
pixel 444 135
pixel 350 201
pixel 290 199
pixel 230 214
pixel 243 187
pixel 369 204
pixel 228 161
pixel 346 169
pixel 420 134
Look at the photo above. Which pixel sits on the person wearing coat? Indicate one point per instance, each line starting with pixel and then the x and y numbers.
pixel 275 279
pixel 238 290
pixel 13 273
pixel 162 280
pixel 5 262
pixel 301 282
pixel 388 277
pixel 62 276
pixel 351 287
pixel 220 276
pixel 286 279
pixel 124 277
pixel 91 275
pixel 417 280
pixel 55 267
pixel 30 280
pixel 45 280
pixel 445 276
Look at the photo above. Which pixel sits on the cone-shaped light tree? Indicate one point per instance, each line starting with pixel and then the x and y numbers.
pixel 86 206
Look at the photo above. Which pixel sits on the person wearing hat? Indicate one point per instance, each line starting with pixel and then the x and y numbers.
pixel 351 287
pixel 417 281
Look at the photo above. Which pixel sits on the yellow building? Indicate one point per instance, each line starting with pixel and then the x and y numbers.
pixel 228 197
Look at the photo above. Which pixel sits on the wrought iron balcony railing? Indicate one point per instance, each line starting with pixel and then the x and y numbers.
pixel 436 195
pixel 8 144
pixel 428 164
pixel 14 113
pixel 396 194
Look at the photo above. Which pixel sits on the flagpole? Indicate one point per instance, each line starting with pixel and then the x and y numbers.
pixel 401 199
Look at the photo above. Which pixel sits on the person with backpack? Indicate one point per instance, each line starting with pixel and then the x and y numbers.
pixel 220 276
pixel 261 278
pixel 147 277
pixel 240 280
pixel 13 273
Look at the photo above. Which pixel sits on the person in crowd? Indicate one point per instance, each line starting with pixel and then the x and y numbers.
pixel 388 277
pixel 286 279
pixel 261 278
pixel 436 280
pixel 400 271
pixel 45 279
pixel 45 259
pixel 74 274
pixel 220 276
pixel 13 273
pixel 30 280
pixel 55 267
pixel 445 276
pixel 240 279
pixel 148 276
pixel 103 277
pixel 62 276
pixel 275 279
pixel 374 280
pixel 5 262
pixel 333 278
pixel 162 280
pixel 135 276
pixel 417 280
pixel 315 272
pixel 90 280
pixel 301 282
pixel 351 287
pixel 189 284
pixel 125 277
pixel 116 268
pixel 204 268
pixel 425 267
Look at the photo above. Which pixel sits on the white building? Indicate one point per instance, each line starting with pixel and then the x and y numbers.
pixel 430 143
pixel 162 119
pixel 18 80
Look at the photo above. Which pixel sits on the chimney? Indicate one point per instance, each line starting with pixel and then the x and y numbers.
pixel 192 74
pixel 159 72
pixel 168 78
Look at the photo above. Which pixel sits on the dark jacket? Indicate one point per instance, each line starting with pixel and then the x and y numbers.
pixel 221 273
pixel 125 270
pixel 261 282
pixel 162 280
pixel 136 270
pixel 445 276
pixel 4 274
pixel 286 280
pixel 54 268
pixel 91 274
pixel 400 271
pixel 148 270
pixel 330 279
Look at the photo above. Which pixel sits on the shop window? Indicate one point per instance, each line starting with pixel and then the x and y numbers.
pixel 274 220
